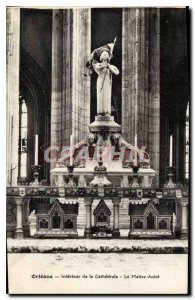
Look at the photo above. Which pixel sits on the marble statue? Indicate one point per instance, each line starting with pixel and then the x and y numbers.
pixel 104 83
pixel 100 63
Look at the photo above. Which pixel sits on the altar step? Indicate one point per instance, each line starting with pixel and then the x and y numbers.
pixel 151 234
pixel 50 234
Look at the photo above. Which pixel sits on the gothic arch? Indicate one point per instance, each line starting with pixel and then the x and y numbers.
pixel 35 89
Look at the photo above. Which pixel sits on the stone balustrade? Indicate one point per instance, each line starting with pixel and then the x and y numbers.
pixel 75 192
pixel 22 194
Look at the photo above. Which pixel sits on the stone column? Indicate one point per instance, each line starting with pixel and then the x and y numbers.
pixel 183 229
pixel 80 75
pixel 81 217
pixel 134 77
pixel 70 103
pixel 141 79
pixel 154 89
pixel 32 223
pixel 19 228
pixel 61 97
pixel 13 55
pixel 88 203
pixel 116 232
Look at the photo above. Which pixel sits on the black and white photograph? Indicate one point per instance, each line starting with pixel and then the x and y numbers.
pixel 97 150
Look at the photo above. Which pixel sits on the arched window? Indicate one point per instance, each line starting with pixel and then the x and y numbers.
pixel 23 133
pixel 43 224
pixel 56 220
pixel 187 145
pixel 150 221
pixel 138 224
pixel 162 224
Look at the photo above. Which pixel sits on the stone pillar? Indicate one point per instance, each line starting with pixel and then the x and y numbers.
pixel 154 89
pixel 88 203
pixel 140 79
pixel 80 74
pixel 116 232
pixel 61 96
pixel 81 217
pixel 32 223
pixel 13 55
pixel 70 103
pixel 183 229
pixel 19 228
pixel 134 37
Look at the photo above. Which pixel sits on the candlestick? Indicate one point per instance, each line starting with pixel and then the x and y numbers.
pixel 135 183
pixel 36 149
pixel 170 183
pixel 71 182
pixel 100 154
pixel 171 151
pixel 35 169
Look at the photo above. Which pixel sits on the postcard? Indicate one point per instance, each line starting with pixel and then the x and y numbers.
pixel 98 118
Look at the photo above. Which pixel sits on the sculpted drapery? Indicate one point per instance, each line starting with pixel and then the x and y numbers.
pixel 100 63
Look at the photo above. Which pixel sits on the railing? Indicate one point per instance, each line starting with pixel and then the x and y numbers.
pixel 96 192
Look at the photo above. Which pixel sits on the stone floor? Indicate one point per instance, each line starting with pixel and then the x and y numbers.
pixel 94 243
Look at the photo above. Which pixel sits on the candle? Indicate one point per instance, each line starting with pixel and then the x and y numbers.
pixel 136 140
pixel 135 150
pixel 36 149
pixel 71 149
pixel 171 151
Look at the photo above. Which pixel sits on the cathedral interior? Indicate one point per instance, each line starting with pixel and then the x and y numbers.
pixel 52 95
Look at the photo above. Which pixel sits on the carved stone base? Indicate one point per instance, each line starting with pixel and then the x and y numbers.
pixel 116 233
pixel 104 121
pixel 88 234
pixel 19 234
